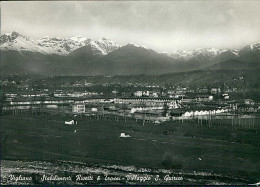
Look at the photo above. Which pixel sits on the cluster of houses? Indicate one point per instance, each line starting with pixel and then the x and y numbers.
pixel 76 94
pixel 143 103
pixel 204 112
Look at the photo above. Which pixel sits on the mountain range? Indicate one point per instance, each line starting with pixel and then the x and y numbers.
pixel 84 56
pixel 53 45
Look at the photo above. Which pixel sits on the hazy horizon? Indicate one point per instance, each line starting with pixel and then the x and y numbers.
pixel 162 26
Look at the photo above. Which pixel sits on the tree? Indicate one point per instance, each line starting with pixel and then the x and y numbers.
pixel 165 109
pixel 42 103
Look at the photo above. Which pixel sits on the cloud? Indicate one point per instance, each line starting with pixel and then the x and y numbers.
pixel 162 25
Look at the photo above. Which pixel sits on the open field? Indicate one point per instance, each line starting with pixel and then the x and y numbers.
pixel 174 146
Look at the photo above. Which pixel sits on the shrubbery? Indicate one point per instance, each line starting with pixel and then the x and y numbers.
pixel 170 161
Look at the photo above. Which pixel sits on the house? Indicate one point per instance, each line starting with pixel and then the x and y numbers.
pixel 12 95
pixel 78 108
pixel 156 122
pixel 249 102
pixel 225 96
pixel 123 135
pixel 138 94
pixel 94 109
pixel 154 94
pixel 179 95
pixel 52 106
pixel 215 90
pixel 203 98
pixel 173 104
pixel 72 122
pixel 141 93
pixel 146 93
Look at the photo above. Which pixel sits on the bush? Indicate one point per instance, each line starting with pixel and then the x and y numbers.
pixel 171 162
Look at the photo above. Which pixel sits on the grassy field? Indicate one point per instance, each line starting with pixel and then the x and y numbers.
pixel 173 145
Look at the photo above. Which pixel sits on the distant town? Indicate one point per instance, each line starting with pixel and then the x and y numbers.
pixel 147 102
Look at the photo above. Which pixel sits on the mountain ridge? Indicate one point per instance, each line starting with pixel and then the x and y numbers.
pixel 64 46
pixel 83 56
pixel 53 45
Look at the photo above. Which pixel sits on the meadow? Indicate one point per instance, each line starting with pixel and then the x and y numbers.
pixel 173 145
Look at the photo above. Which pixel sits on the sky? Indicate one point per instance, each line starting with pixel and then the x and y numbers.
pixel 160 25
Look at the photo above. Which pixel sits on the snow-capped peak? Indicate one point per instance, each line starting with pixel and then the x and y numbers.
pixel 54 45
pixel 107 45
pixel 14 34
pixel 235 52
pixel 9 37
pixel 186 55
pixel 17 42
pixel 145 47
pixel 64 46
pixel 254 46
pixel 209 52
pixel 79 39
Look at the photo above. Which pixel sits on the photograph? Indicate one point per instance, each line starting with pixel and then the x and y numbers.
pixel 130 92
